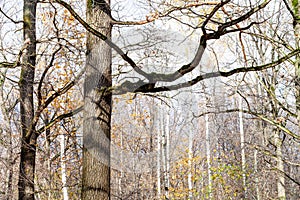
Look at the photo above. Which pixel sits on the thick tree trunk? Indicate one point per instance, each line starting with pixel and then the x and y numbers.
pixel 28 143
pixel 97 112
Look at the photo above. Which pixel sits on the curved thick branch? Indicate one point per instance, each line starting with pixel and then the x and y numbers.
pixel 155 77
pixel 122 88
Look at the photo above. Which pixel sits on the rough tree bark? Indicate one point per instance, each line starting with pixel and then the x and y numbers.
pixel 97 108
pixel 28 143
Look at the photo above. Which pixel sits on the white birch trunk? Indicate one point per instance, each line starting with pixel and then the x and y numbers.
pixel 242 135
pixel 164 152
pixel 63 167
pixel 167 152
pixel 261 139
pixel 158 159
pixel 190 155
pixel 280 167
pixel 256 178
pixel 208 160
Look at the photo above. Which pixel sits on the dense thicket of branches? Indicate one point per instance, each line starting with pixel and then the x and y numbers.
pixel 180 99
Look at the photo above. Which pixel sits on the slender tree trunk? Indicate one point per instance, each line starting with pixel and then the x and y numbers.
pixel 190 163
pixel 280 166
pixel 63 167
pixel 121 167
pixel 28 143
pixel 158 182
pixel 151 144
pixel 163 126
pixel 10 164
pixel 97 108
pixel 207 141
pixel 8 134
pixel 167 153
pixel 242 135
pixel 257 189
pixel 48 149
pixel 190 155
pixel 260 141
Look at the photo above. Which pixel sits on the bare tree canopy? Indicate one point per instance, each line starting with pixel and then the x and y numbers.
pixel 156 99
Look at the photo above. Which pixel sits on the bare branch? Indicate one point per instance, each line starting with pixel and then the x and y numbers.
pixel 163 77
pixel 154 77
pixel 59 118
pixel 154 16
pixel 8 17
pixel 245 16
pixel 260 116
pixel 290 9
pixel 104 38
pixel 44 75
pixel 58 93
pixel 268 153
pixel 8 65
pixel 212 13
pixel 63 90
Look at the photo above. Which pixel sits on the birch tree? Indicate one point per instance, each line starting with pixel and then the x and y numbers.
pixel 208 155
pixel 208 21
pixel 243 155
pixel 158 161
pixel 33 99
pixel 63 167
pixel 147 84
